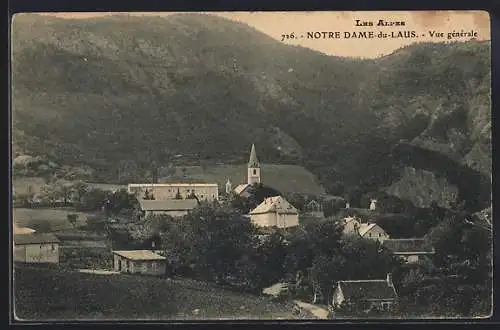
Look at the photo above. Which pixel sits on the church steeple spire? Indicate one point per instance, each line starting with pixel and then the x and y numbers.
pixel 253 167
pixel 253 162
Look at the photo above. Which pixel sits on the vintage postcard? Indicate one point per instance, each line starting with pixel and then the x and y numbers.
pixel 251 165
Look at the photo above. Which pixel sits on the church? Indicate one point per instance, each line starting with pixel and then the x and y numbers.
pixel 272 210
pixel 253 175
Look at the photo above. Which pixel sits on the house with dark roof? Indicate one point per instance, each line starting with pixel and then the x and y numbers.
pixel 36 248
pixel 139 262
pixel 172 207
pixel 369 294
pixel 409 249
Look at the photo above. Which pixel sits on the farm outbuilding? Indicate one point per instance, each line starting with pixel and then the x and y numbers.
pixel 139 262
pixel 36 248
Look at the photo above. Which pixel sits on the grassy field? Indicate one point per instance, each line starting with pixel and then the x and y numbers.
pixel 22 185
pixel 51 294
pixel 56 217
pixel 284 178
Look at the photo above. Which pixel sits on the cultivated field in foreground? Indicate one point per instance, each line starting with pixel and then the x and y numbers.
pixel 52 294
pixel 58 218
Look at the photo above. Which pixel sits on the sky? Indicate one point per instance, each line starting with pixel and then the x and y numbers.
pixel 277 24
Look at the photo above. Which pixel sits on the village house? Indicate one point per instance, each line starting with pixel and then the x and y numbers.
pixel 368 294
pixel 411 250
pixel 373 231
pixel 139 262
pixel 167 191
pixel 172 207
pixel 275 212
pixel 36 248
pixel 354 226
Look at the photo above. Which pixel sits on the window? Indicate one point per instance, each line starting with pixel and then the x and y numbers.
pixel 254 172
pixel 370 235
pixel 154 265
pixel 379 234
pixel 53 247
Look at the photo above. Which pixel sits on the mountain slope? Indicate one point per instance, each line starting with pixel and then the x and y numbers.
pixel 127 90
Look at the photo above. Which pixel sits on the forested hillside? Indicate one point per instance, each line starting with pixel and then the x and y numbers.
pixel 122 93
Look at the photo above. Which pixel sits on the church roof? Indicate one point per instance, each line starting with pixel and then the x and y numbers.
pixel 240 188
pixel 253 161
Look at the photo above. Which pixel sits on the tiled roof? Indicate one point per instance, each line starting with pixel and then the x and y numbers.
pixel 365 228
pixel 274 204
pixel 153 185
pixel 367 290
pixel 23 230
pixel 35 239
pixel 139 255
pixel 240 188
pixel 408 245
pixel 168 204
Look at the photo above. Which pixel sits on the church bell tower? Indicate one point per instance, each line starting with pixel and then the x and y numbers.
pixel 253 167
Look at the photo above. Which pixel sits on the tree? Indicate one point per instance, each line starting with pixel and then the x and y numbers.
pixel 78 191
pixel 72 218
pixel 96 222
pixel 152 226
pixel 212 239
pixel 93 199
pixel 178 195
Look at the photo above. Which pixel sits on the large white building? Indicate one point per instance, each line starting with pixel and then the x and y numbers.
pixel 275 212
pixel 165 191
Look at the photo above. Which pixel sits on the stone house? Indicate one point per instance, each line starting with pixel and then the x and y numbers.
pixel 275 212
pixel 354 226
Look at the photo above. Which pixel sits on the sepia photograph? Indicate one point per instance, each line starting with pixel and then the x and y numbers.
pixel 187 166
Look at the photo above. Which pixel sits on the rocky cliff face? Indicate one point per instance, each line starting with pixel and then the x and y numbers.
pixel 423 188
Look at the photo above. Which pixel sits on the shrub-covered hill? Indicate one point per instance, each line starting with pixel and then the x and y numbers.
pixel 127 92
